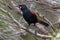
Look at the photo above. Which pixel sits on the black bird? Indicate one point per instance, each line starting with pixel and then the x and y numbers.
pixel 31 17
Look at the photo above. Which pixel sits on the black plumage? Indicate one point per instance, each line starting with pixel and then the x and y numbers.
pixel 29 17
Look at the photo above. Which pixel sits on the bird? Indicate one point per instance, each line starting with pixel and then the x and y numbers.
pixel 30 15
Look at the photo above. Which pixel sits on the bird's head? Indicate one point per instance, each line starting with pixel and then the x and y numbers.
pixel 22 7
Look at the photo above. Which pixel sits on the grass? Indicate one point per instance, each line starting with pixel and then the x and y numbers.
pixel 28 37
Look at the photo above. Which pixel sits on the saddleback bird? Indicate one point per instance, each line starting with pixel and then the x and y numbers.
pixel 30 16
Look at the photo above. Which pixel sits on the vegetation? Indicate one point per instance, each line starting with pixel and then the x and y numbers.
pixel 13 26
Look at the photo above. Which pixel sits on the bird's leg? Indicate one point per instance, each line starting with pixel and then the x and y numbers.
pixel 36 31
pixel 28 26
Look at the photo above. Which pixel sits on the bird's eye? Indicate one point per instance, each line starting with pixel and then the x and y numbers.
pixel 20 7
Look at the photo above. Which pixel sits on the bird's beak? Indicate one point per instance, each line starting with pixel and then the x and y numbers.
pixel 18 7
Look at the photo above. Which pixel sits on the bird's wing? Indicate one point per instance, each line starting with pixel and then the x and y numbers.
pixel 36 13
pixel 33 12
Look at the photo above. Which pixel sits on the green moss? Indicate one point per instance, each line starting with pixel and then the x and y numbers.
pixel 2 13
pixel 8 33
pixel 15 15
pixel 28 37
pixel 3 25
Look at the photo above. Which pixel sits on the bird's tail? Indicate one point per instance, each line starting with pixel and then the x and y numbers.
pixel 44 23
